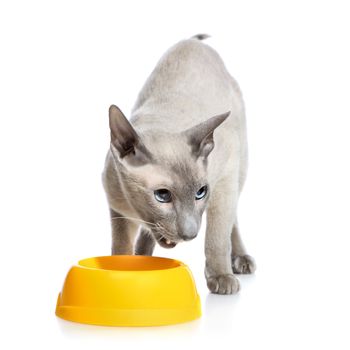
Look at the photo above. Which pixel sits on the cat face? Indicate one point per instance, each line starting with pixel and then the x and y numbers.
pixel 164 175
pixel 170 195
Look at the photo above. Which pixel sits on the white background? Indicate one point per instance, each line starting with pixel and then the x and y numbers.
pixel 64 63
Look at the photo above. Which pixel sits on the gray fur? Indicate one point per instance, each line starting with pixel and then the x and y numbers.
pixel 201 36
pixel 145 243
pixel 174 142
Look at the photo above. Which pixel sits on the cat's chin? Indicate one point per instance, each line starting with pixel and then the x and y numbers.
pixel 165 243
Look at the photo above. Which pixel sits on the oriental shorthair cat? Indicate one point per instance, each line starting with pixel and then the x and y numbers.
pixel 183 151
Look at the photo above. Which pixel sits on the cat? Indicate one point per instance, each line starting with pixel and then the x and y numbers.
pixel 183 152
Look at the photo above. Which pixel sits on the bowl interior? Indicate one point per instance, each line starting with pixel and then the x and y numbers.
pixel 129 263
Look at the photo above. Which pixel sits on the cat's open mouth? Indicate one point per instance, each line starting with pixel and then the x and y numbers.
pixel 166 243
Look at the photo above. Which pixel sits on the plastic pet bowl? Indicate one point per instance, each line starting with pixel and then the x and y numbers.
pixel 124 290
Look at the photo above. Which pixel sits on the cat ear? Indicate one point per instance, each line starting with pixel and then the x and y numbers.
pixel 200 137
pixel 125 139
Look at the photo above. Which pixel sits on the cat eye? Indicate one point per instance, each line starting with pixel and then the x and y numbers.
pixel 201 192
pixel 162 195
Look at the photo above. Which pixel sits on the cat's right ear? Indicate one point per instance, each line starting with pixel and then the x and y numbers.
pixel 201 136
pixel 125 140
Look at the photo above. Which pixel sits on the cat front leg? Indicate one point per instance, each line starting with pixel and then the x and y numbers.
pixel 221 216
pixel 124 232
pixel 242 263
pixel 145 243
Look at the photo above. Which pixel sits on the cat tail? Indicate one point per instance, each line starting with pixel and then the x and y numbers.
pixel 200 36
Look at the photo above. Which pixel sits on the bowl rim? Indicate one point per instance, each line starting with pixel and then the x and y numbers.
pixel 179 264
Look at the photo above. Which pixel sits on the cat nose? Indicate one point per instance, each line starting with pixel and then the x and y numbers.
pixel 189 230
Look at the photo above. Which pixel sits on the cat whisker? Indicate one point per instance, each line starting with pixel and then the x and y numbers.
pixel 163 229
pixel 130 218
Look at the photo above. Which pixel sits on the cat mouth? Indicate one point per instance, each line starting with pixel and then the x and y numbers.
pixel 166 243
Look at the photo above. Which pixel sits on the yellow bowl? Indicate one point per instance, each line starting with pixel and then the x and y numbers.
pixel 123 290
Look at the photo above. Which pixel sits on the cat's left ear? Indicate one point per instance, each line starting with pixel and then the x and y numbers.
pixel 125 139
pixel 201 136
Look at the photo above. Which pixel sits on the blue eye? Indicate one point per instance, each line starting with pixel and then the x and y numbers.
pixel 202 192
pixel 162 195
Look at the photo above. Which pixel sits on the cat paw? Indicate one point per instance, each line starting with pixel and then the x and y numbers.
pixel 223 284
pixel 244 264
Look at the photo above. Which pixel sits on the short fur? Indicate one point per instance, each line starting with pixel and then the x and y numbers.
pixel 170 143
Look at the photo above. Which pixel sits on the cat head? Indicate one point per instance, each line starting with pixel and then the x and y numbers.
pixel 164 175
